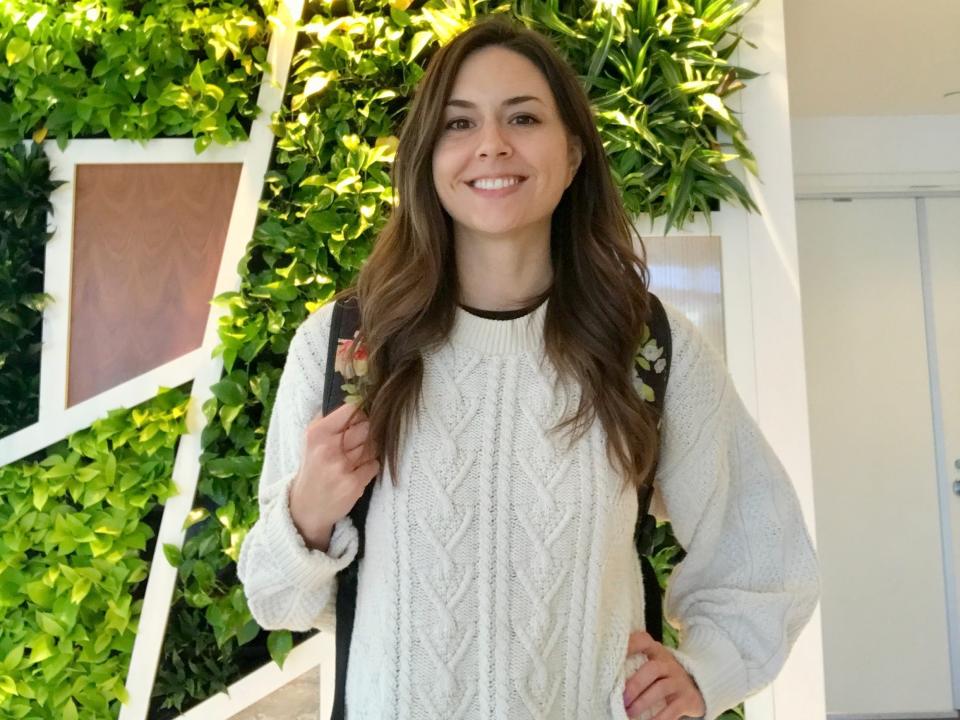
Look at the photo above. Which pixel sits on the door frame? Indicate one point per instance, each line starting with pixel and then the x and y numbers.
pixel 950 561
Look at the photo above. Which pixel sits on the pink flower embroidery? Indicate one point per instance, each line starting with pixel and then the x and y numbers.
pixel 351 363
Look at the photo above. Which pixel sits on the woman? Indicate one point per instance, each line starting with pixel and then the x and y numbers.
pixel 500 579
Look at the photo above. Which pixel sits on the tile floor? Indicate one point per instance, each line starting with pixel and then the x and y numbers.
pixel 298 700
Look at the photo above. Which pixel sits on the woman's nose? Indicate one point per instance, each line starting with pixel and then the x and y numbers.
pixel 492 141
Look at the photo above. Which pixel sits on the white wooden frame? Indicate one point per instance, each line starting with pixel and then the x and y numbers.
pixel 318 650
pixel 162 578
pixel 765 325
pixel 56 420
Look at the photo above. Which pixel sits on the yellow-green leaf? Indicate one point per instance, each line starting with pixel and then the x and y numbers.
pixel 80 590
pixel 196 79
pixel 69 711
pixel 316 83
pixel 716 104
pixel 17 50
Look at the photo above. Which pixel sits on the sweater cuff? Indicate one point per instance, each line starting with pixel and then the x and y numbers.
pixel 716 667
pixel 293 559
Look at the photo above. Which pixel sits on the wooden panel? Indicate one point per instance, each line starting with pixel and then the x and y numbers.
pixel 685 272
pixel 146 251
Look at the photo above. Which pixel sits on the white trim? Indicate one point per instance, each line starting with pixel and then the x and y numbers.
pixel 162 578
pixel 843 184
pixel 56 424
pixel 317 650
pixel 698 226
pixel 944 494
pixel 55 420
pixel 894 716
pixel 163 151
pixel 765 327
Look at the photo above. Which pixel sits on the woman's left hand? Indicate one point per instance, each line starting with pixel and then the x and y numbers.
pixel 660 678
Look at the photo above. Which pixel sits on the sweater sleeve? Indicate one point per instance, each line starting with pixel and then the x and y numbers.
pixel 288 585
pixel 750 579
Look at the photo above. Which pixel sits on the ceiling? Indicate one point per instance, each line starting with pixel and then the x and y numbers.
pixel 873 57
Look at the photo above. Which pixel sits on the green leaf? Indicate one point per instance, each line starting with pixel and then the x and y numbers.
pixel 196 79
pixel 229 392
pixel 17 50
pixel 69 710
pixel 49 625
pixel 716 104
pixel 13 658
pixel 418 43
pixel 279 644
pixel 195 516
pixel 173 554
pixel 80 590
pixel 248 632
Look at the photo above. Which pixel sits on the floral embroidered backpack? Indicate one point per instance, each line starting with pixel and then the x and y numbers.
pixel 652 363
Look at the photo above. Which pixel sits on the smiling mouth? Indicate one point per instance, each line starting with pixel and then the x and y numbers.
pixel 496 183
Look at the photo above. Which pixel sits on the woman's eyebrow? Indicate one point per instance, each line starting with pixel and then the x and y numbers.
pixel 509 101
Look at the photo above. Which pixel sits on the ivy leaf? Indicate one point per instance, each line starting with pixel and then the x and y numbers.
pixel 69 711
pixel 17 50
pixel 79 591
pixel 229 392
pixel 248 632
pixel 196 79
pixel 173 554
pixel 195 516
pixel 279 643
pixel 13 658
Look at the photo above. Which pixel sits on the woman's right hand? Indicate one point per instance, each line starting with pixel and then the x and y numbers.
pixel 337 466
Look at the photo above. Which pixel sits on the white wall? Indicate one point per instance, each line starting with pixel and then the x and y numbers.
pixel 849 154
pixel 764 324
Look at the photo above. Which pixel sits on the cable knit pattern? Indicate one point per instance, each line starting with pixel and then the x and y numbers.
pixel 500 578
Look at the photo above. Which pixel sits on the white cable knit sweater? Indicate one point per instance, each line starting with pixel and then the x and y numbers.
pixel 500 580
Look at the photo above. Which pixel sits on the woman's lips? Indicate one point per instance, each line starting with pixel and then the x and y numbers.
pixel 497 192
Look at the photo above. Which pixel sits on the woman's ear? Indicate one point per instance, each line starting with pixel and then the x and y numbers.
pixel 575 156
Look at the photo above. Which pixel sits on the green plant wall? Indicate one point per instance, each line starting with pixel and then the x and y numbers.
pixel 25 188
pixel 659 73
pixel 130 69
pixel 75 543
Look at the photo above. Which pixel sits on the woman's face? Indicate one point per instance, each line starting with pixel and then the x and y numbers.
pixel 501 124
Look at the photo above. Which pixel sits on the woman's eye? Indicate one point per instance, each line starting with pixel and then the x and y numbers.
pixel 526 120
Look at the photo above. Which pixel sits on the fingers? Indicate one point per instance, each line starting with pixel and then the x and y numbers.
pixel 651 696
pixel 643 678
pixel 356 435
pixel 643 642
pixel 365 473
pixel 340 419
pixel 674 710
pixel 360 455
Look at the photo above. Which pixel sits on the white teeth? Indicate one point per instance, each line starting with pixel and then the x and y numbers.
pixel 496 184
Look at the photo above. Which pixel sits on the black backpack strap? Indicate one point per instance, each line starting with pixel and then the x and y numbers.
pixel 343 325
pixel 653 369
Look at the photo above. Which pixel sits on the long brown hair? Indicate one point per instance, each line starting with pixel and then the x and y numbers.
pixel 408 287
